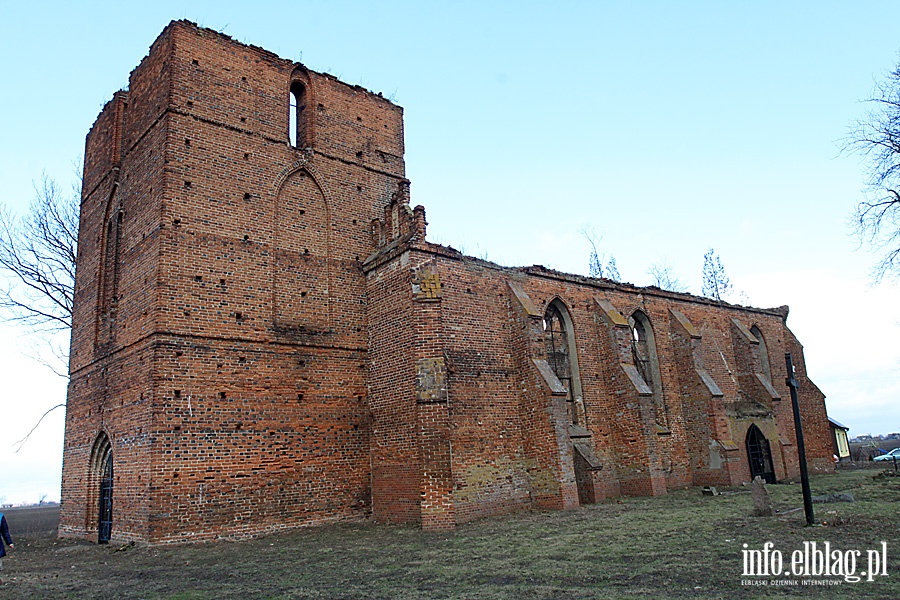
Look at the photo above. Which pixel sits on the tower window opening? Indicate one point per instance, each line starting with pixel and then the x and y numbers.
pixel 298 118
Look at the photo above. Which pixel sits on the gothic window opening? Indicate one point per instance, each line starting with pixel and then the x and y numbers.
pixel 558 347
pixel 111 259
pixel 763 352
pixel 299 116
pixel 110 268
pixel 640 352
pixel 643 350
pixel 559 340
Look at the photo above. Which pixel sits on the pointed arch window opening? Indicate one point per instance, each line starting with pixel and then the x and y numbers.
pixel 111 260
pixel 109 271
pixel 640 351
pixel 558 340
pixel 558 347
pixel 646 361
pixel 292 128
pixel 763 352
pixel 298 130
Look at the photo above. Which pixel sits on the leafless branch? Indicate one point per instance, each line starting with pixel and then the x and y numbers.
pixel 664 277
pixel 599 265
pixel 21 442
pixel 37 259
pixel 876 139
pixel 58 365
pixel 37 255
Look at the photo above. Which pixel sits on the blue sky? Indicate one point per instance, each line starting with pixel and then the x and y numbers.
pixel 668 128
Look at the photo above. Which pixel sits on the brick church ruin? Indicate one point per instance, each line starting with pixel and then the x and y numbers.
pixel 263 338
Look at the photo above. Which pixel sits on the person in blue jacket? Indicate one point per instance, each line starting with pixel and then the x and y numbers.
pixel 5 540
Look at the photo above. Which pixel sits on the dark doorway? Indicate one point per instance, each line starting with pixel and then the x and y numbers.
pixel 104 526
pixel 760 455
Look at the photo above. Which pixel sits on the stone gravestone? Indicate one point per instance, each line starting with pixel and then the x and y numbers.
pixel 762 504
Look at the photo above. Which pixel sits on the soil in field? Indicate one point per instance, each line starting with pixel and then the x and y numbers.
pixel 32 521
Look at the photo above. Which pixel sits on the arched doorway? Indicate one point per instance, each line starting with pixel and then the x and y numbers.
pixel 102 467
pixel 759 455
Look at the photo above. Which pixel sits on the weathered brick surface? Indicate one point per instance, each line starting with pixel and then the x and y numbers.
pixel 505 447
pixel 396 463
pixel 268 340
pixel 219 335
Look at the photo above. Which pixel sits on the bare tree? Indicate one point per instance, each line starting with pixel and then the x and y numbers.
pixel 37 256
pixel 664 277
pixel 876 138
pixel 716 284
pixel 600 265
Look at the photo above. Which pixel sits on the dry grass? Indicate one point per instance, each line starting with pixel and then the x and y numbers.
pixel 683 545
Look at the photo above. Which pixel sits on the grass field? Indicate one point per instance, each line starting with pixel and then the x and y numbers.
pixel 683 545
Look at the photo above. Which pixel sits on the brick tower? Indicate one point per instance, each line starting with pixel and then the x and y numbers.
pixel 218 346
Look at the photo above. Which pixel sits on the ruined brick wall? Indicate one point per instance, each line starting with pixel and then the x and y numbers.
pixel 489 464
pixel 115 399
pixel 396 465
pixel 819 445
pixel 110 390
pixel 713 388
pixel 266 339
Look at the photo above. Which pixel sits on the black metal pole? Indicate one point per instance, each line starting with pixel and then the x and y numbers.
pixel 801 447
